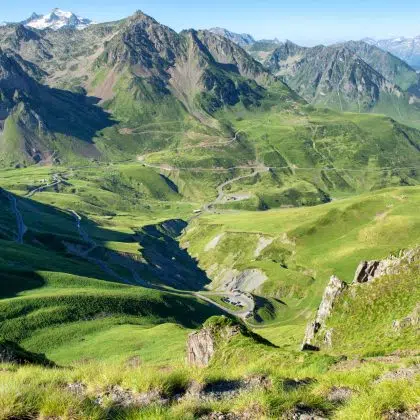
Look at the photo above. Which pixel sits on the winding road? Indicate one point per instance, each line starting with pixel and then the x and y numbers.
pixel 56 181
pixel 247 303
pixel 102 264
pixel 220 189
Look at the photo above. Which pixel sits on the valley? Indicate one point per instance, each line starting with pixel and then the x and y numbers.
pixel 175 214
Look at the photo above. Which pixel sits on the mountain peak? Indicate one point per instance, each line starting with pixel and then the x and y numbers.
pixel 57 19
pixel 241 39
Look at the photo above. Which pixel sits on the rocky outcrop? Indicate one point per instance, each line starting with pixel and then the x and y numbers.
pixel 334 289
pixel 369 270
pixel 246 281
pixel 217 331
pixel 126 398
pixel 200 348
pixel 366 272
pixel 363 79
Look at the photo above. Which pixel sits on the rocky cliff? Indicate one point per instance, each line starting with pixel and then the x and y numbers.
pixel 332 292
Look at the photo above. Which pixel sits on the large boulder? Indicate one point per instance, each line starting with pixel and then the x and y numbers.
pixel 217 331
pixel 200 347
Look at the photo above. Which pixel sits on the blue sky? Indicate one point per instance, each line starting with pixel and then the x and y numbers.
pixel 303 21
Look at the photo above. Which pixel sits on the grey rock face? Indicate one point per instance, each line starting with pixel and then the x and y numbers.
pixel 365 271
pixel 369 270
pixel 200 347
pixel 334 289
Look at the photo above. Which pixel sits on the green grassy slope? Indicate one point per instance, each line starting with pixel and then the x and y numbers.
pixel 307 245
pixel 61 280
pixel 363 321
pixel 106 335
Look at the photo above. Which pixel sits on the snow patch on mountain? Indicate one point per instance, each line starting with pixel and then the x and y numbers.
pixel 57 19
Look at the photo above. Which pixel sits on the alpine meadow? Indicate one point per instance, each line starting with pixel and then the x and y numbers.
pixel 199 224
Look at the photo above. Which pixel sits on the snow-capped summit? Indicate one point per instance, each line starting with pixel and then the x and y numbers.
pixel 408 49
pixel 57 19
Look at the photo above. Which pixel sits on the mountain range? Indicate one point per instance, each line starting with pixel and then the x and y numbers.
pixel 243 40
pixel 408 49
pixel 192 73
pixel 353 76
pixel 139 70
pixel 199 225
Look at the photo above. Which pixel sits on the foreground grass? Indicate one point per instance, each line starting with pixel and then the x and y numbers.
pixel 45 392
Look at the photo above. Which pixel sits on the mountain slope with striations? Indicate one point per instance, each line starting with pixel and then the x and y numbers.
pixel 40 123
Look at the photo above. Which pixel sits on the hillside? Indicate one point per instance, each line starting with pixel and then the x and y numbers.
pixel 33 126
pixel 384 294
pixel 143 73
pixel 287 255
pixel 78 315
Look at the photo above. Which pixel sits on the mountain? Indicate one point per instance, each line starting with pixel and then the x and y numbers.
pixel 261 49
pixel 391 67
pixel 258 49
pixel 349 77
pixel 141 71
pixel 408 49
pixel 242 40
pixel 38 122
pixel 57 19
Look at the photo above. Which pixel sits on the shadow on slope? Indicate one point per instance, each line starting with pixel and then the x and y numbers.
pixel 34 114
pixel 71 114
pixel 167 260
pixel 43 285
pixel 55 241
pixel 14 281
